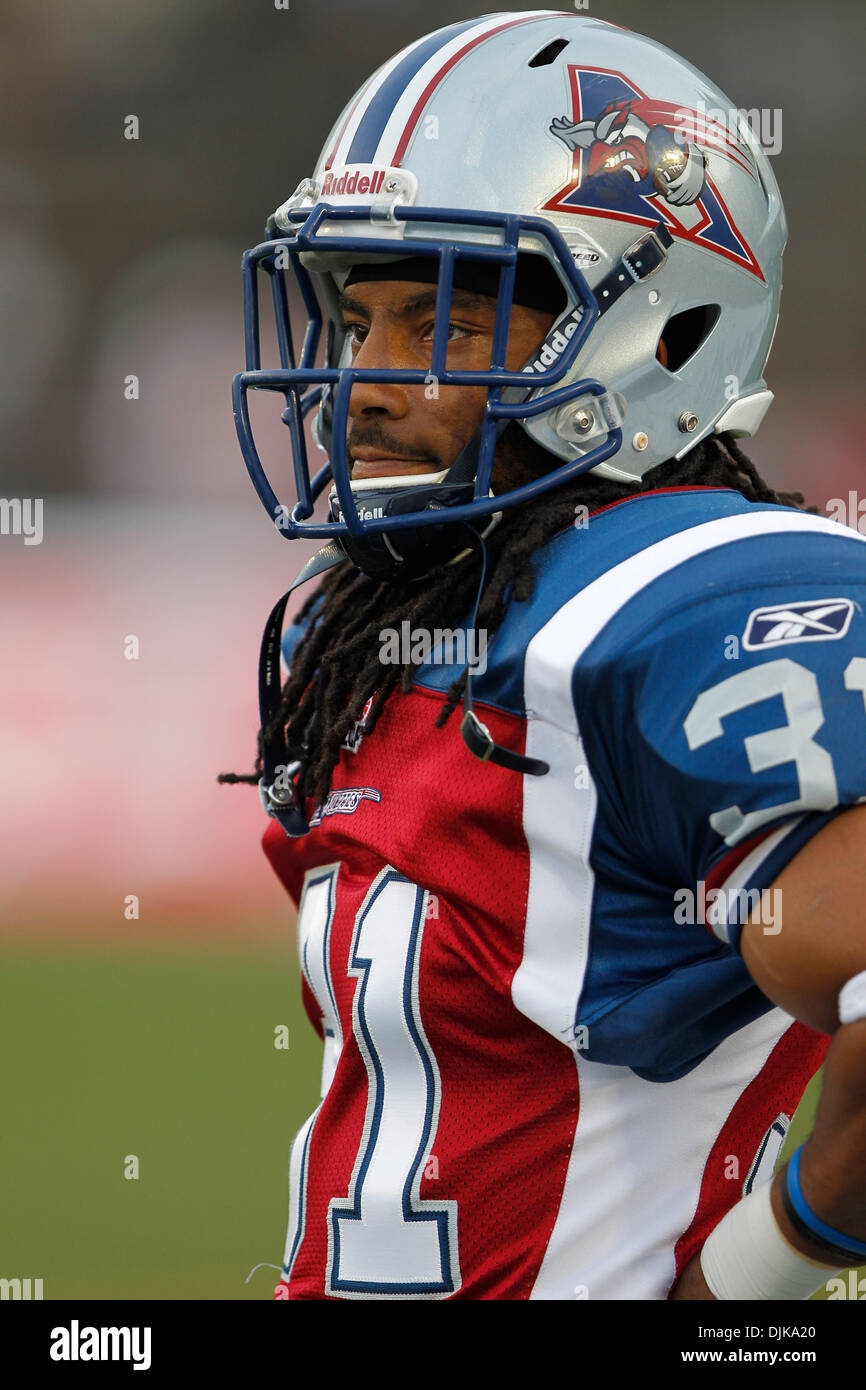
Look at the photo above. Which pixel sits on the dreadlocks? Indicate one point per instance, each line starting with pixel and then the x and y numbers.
pixel 336 667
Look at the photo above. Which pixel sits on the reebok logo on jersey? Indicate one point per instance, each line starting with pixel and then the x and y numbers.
pixel 808 620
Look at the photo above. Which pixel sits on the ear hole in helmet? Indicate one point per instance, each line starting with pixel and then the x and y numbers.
pixel 548 54
pixel 685 332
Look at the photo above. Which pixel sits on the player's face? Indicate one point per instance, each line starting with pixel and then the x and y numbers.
pixel 396 429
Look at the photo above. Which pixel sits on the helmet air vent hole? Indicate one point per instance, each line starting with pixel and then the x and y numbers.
pixel 685 332
pixel 548 54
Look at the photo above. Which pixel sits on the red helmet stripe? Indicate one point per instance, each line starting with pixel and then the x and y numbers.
pixel 446 68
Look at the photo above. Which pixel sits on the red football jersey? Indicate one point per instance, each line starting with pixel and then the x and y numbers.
pixel 538 1081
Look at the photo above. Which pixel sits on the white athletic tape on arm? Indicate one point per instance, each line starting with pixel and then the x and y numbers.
pixel 746 1256
pixel 852 999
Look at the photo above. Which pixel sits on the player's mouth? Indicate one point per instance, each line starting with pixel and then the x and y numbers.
pixel 367 463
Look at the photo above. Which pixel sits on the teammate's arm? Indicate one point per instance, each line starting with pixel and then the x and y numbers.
pixel 802 968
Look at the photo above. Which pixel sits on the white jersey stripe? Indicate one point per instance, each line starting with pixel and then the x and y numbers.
pixel 559 813
pixel 615 1234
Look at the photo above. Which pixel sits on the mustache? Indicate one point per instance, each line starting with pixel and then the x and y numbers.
pixel 374 437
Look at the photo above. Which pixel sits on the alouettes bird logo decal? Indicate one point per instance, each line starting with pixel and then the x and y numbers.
pixel 642 159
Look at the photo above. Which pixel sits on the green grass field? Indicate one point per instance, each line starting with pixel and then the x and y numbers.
pixel 167 1054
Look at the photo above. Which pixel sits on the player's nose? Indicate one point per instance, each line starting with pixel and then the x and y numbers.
pixel 380 351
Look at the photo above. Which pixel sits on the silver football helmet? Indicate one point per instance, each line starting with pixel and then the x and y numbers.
pixel 548 134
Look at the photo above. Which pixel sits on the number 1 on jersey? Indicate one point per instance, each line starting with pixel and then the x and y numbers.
pixel 383 1239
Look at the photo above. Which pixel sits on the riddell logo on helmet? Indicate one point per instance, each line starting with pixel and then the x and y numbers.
pixel 352 181
pixel 556 342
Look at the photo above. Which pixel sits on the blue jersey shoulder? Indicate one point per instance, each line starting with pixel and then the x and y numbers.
pixel 567 564
pixel 719 683
pixel 711 674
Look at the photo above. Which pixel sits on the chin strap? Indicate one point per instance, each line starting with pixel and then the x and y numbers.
pixel 477 736
pixel 277 788
pixel 642 259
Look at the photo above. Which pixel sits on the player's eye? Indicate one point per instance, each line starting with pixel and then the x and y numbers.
pixel 454 331
pixel 356 333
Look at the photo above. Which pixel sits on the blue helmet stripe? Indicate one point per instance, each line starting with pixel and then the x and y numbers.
pixel 378 113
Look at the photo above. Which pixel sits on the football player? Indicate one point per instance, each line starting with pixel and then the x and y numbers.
pixel 575 953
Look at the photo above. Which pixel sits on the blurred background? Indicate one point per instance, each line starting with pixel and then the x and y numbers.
pixel 148 950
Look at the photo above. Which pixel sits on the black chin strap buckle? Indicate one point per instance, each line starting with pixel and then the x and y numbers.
pixel 281 802
pixel 476 736
pixel 642 259
pixel 479 740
